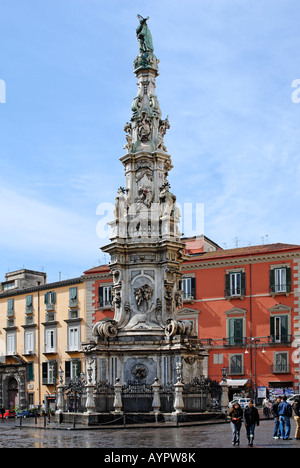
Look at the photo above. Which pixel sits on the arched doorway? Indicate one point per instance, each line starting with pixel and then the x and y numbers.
pixel 12 392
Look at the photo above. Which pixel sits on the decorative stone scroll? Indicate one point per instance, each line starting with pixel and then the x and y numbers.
pixel 175 327
pixel 106 328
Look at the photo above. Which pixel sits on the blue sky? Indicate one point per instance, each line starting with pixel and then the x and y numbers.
pixel 226 73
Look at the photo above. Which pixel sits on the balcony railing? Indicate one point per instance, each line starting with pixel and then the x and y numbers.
pixel 286 339
pixel 234 341
pixel 280 369
pixel 280 288
pixel 235 292
pixel 236 370
pixel 104 304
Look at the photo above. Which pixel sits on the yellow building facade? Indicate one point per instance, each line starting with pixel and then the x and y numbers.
pixel 41 329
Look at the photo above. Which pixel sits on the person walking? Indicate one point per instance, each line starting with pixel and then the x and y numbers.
pixel 274 411
pixel 266 408
pixel 236 416
pixel 251 419
pixel 296 408
pixel 285 413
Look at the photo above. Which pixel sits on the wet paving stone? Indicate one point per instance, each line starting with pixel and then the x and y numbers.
pixel 194 437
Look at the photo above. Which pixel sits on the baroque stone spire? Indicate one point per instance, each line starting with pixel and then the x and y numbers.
pixel 146 251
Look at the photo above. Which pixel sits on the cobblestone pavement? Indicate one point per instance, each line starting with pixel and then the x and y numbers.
pixel 193 437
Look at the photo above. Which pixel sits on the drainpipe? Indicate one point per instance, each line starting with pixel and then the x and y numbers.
pixel 251 335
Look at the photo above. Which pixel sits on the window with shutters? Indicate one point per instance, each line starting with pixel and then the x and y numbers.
pixel 50 340
pixel 188 286
pixel 74 338
pixel 11 347
pixel 235 284
pixel 281 363
pixel 29 342
pixel 72 369
pixel 236 364
pixel 49 372
pixel 105 296
pixel 235 331
pixel 29 304
pixel 73 297
pixel 279 328
pixel 10 307
pixel 280 280
pixel 50 300
pixel 29 372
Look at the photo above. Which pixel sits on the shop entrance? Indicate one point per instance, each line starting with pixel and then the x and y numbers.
pixel 12 392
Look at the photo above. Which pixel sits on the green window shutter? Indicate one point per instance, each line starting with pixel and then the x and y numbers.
pixel 28 301
pixel 73 294
pixel 67 371
pixel 53 297
pixel 46 298
pixel 29 372
pixel 101 296
pixel 272 328
pixel 284 328
pixel 238 331
pixel 44 373
pixel 231 331
pixel 288 279
pixel 272 280
pixel 227 285
pixel 193 287
pixel 243 283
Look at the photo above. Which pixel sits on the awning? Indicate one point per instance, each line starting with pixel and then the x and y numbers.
pixel 234 383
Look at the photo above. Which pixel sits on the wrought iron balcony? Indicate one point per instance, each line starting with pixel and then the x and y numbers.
pixel 280 369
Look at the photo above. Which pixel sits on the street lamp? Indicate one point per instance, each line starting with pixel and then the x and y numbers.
pixel 224 374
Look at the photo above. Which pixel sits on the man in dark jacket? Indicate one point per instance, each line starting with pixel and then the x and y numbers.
pixel 285 413
pixel 251 419
pixel 277 433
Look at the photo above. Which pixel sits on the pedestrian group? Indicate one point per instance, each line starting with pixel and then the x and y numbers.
pixel 282 412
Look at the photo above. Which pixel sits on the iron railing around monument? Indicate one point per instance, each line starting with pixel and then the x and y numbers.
pixel 104 397
pixel 137 397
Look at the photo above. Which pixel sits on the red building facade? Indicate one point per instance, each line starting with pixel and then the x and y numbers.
pixel 245 306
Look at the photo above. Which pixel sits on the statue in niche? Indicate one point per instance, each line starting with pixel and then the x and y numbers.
pixel 144 36
pixel 143 296
pixel 145 196
pixel 164 125
pixel 136 106
pixel 128 130
pixel 167 200
pixel 120 211
pixel 144 127
pixel 154 105
pixel 179 299
pixel 169 297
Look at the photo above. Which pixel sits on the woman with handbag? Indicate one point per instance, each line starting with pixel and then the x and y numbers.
pixel 236 417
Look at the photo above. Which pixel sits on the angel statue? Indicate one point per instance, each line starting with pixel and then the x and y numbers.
pixel 144 35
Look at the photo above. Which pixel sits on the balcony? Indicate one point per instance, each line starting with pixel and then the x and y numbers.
pixel 104 305
pixel 236 293
pixel 280 339
pixel 188 297
pixel 236 370
pixel 280 369
pixel 282 288
pixel 234 341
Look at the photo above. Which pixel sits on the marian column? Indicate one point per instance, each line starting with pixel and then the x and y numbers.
pixel 146 251
pixel 145 340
